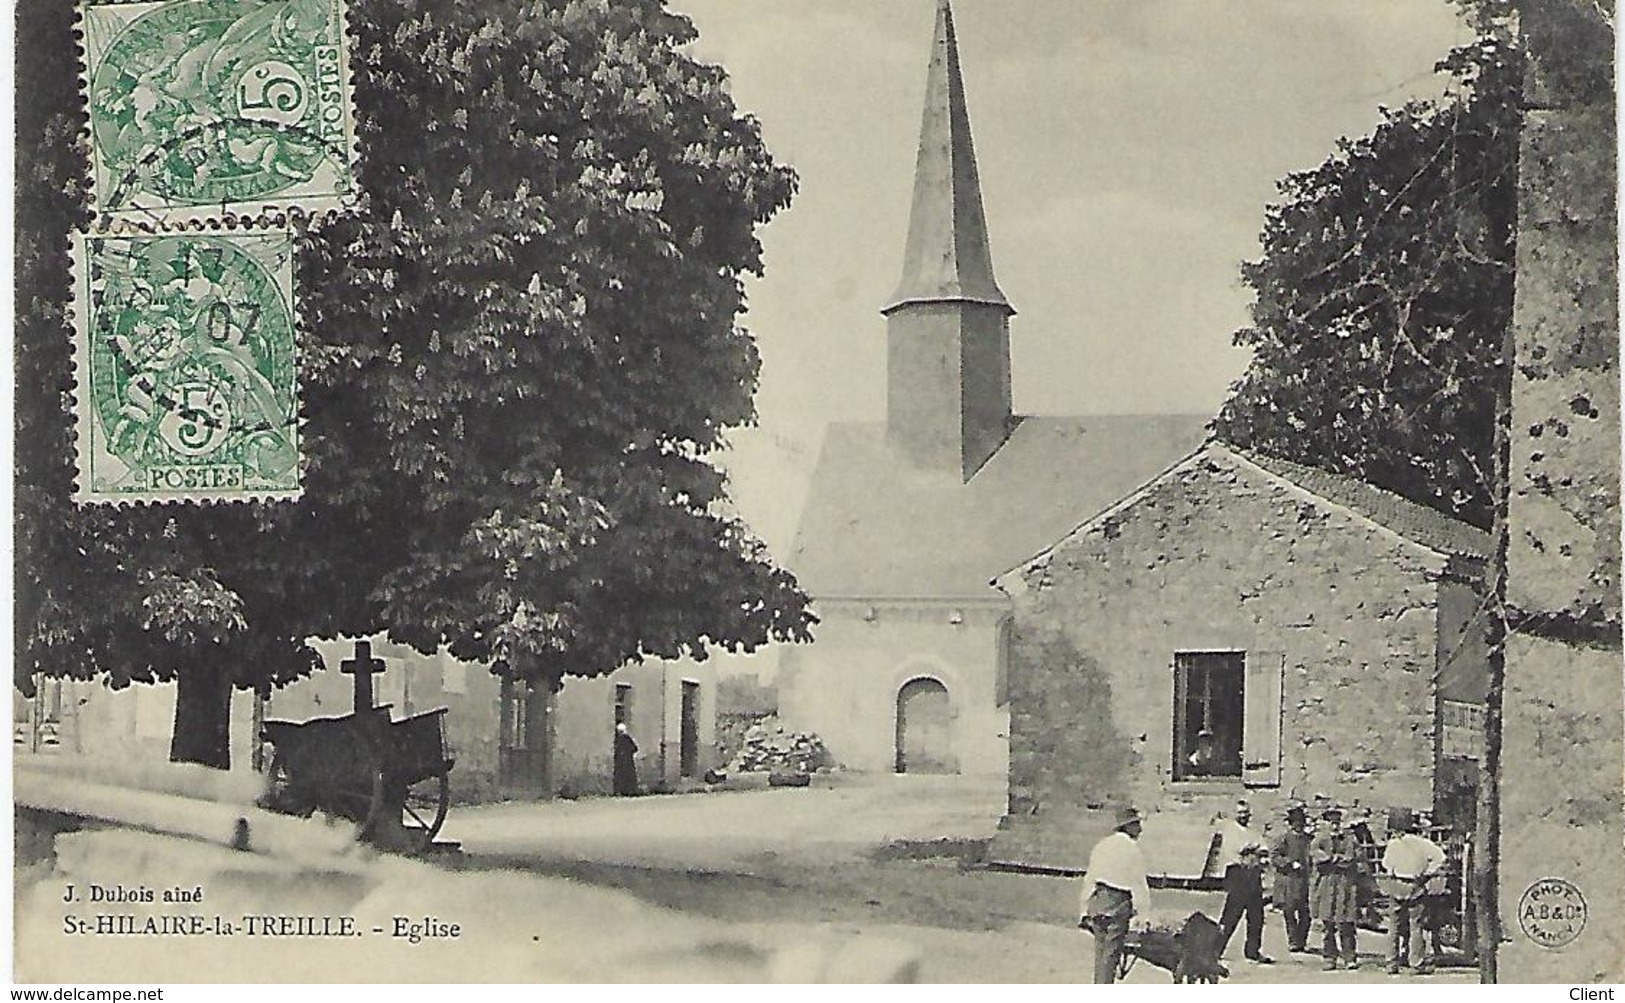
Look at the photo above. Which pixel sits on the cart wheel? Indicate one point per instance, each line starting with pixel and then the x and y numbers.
pixel 356 799
pixel 424 811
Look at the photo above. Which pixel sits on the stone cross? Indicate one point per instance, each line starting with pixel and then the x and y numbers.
pixel 362 666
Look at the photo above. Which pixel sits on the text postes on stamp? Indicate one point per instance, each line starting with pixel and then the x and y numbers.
pixel 184 357
pixel 205 109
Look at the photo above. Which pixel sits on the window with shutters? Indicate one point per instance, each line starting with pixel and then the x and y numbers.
pixel 1209 690
pixel 1227 716
pixel 1261 721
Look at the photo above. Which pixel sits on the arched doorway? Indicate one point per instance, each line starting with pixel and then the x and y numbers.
pixel 923 741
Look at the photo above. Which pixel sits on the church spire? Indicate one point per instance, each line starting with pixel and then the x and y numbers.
pixel 947 258
pixel 948 327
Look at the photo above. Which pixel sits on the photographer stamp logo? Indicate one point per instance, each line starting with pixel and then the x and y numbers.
pixel 184 358
pixel 1552 912
pixel 205 108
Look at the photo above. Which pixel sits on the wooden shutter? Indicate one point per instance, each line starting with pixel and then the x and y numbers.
pixel 1261 723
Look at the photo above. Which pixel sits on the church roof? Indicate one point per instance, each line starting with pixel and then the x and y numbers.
pixel 877 528
pixel 947 257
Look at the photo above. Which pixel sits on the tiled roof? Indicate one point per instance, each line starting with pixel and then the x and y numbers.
pixel 874 527
pixel 1419 523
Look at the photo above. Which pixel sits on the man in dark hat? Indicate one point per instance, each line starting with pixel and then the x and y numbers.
pixel 1334 897
pixel 1289 856
pixel 1114 891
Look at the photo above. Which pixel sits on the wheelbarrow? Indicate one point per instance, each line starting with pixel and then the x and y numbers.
pixel 1189 954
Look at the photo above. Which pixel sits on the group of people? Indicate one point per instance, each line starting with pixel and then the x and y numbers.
pixel 1319 876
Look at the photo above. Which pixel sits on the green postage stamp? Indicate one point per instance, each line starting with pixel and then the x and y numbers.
pixel 184 359
pixel 205 109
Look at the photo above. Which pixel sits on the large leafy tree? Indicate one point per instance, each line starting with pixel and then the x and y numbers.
pixel 139 594
pixel 1384 291
pixel 518 358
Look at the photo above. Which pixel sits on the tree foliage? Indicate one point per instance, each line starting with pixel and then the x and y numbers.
pixel 1385 290
pixel 517 360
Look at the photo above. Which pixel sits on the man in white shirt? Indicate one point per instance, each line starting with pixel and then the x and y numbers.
pixel 1114 891
pixel 1240 860
pixel 1407 862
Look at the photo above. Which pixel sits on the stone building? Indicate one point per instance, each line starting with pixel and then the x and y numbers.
pixel 498 731
pixel 494 731
pixel 87 719
pixel 908 520
pixel 1241 625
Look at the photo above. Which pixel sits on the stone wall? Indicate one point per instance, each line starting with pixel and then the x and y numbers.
pixel 584 725
pixel 128 727
pixel 1562 811
pixel 583 721
pixel 1221 556
pixel 132 725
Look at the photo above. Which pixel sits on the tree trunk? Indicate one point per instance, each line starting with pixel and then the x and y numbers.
pixel 202 732
pixel 540 725
pixel 1486 876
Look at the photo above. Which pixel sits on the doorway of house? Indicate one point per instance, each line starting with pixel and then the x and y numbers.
pixel 524 764
pixel 923 740
pixel 688 756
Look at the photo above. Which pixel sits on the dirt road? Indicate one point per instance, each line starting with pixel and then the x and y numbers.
pixel 877 857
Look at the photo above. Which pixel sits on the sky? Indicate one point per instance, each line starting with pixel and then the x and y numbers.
pixel 1128 149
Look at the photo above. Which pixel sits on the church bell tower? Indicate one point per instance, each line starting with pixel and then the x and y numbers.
pixel 948 325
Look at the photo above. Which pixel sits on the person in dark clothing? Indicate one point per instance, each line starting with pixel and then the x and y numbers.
pixel 1244 899
pixel 1289 856
pixel 626 764
pixel 1334 898
pixel 1241 851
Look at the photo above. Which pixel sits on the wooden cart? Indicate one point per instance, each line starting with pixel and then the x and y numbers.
pixel 392 778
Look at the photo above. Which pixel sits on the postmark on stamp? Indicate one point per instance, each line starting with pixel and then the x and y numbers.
pixel 184 356
pixel 205 109
pixel 1552 912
